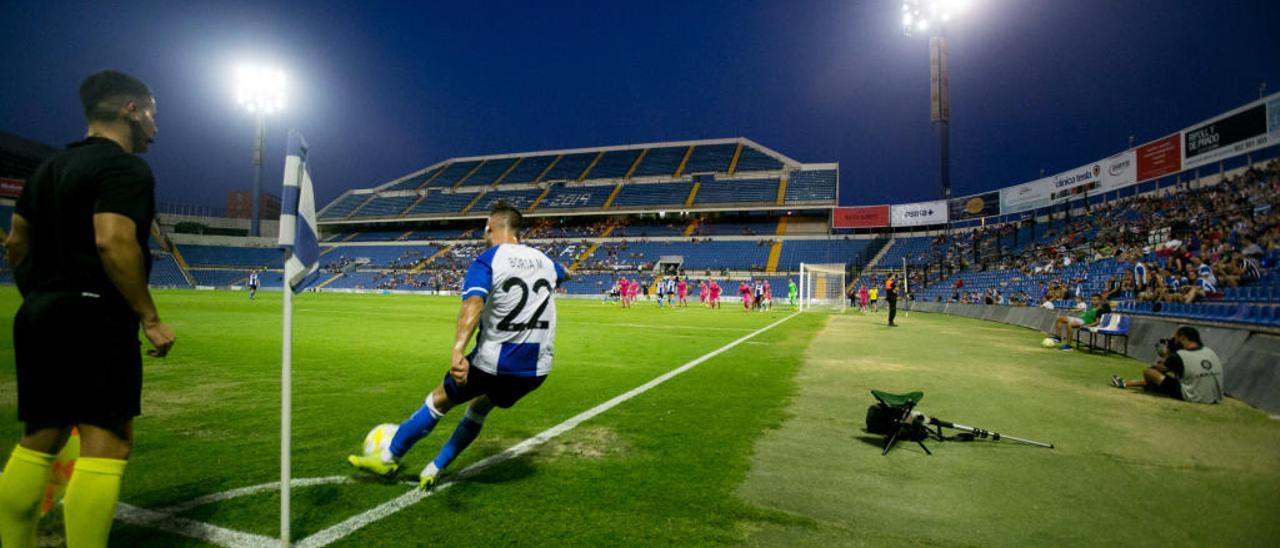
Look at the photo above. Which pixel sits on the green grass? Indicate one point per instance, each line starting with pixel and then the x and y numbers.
pixel 1129 468
pixel 659 469
pixel 760 445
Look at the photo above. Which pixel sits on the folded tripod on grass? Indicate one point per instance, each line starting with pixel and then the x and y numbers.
pixel 895 417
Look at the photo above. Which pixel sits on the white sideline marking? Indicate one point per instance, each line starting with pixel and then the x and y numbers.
pixel 250 490
pixel 191 528
pixel 350 525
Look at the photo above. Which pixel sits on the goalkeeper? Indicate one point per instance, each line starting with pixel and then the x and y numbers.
pixel 792 292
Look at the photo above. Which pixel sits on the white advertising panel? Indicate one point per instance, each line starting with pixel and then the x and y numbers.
pixel 922 213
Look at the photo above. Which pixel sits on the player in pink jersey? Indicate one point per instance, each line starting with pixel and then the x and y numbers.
pixel 682 291
pixel 702 292
pixel 862 298
pixel 745 289
pixel 768 295
pixel 715 294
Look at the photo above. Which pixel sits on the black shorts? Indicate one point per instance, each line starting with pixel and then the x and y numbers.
pixel 1169 387
pixel 503 390
pixel 78 360
pixel 253 286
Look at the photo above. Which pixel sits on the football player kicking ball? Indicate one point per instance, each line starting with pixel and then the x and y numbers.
pixel 508 290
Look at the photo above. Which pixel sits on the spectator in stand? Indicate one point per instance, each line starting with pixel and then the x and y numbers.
pixel 1066 326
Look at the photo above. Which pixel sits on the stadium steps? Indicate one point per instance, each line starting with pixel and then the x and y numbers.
pixel 733 163
pixel 329 281
pixel 866 270
pixel 592 250
pixel 432 177
pixel 632 170
pixel 361 206
pixel 404 236
pixel 168 246
pixel 547 170
pixel 413 205
pixel 473 203
pixel 680 169
pixel 473 171
pixel 349 237
pixel 510 168
pixel 423 264
pixel 782 227
pixel 693 192
pixel 775 253
pixel 693 225
pixel 782 190
pixel 540 198
pixel 590 166
pixel 612 195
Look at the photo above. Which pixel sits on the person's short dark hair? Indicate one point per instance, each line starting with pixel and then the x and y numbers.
pixel 104 92
pixel 507 214
pixel 1189 333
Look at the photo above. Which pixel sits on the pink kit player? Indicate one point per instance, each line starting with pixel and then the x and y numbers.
pixel 682 289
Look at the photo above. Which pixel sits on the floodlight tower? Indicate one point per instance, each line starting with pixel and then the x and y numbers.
pixel 261 92
pixel 932 16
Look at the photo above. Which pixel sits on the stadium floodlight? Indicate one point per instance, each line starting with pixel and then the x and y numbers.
pixel 260 91
pixel 920 16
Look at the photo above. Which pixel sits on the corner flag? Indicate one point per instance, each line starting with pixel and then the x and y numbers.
pixel 298 218
pixel 301 261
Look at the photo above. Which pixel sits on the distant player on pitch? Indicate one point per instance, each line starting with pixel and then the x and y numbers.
pixel 509 293
pixel 792 292
pixel 253 284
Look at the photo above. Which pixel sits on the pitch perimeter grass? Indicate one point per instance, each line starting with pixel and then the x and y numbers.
pixel 1129 468
pixel 659 469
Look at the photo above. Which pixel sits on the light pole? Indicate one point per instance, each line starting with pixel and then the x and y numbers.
pixel 919 16
pixel 261 92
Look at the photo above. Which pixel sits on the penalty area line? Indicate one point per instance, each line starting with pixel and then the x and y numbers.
pixel 350 525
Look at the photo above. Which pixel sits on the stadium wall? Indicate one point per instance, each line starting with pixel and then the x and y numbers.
pixel 1250 358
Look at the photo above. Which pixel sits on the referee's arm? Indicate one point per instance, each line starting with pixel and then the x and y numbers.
pixel 17 244
pixel 121 256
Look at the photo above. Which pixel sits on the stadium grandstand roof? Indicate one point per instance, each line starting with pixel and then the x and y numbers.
pixel 705 175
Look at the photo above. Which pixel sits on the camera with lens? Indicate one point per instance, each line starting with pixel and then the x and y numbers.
pixel 1166 347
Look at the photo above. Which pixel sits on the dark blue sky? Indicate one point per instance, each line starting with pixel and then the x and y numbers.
pixel 384 88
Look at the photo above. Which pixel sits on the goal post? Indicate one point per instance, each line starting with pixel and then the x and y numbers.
pixel 822 287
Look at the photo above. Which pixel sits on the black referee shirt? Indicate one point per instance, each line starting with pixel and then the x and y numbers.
pixel 91 176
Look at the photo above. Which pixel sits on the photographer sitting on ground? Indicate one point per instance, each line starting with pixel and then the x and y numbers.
pixel 1187 370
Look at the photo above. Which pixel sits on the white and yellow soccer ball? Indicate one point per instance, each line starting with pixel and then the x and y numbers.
pixel 379 438
pixel 1048 342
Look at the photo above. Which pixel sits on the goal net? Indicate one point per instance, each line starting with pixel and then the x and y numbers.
pixel 822 287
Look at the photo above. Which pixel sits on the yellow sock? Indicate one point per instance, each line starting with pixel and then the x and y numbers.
pixel 21 491
pixel 90 503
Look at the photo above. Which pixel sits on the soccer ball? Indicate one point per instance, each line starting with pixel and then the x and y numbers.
pixel 1048 342
pixel 379 438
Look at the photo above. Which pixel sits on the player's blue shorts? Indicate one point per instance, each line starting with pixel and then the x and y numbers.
pixel 503 390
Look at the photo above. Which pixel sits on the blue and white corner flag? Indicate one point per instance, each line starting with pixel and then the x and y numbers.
pixel 298 218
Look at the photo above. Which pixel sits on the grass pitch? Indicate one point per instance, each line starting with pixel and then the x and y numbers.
pixel 759 445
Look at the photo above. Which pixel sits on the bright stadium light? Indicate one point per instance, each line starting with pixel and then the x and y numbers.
pixel 933 16
pixel 259 90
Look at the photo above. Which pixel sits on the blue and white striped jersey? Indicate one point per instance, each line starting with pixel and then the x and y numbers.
pixel 518 326
pixel 253 278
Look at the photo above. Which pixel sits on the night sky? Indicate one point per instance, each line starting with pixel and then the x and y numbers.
pixel 384 88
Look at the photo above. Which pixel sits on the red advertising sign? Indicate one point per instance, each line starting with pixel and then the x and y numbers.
pixel 11 188
pixel 860 217
pixel 1159 158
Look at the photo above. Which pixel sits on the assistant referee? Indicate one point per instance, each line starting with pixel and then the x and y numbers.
pixel 891 294
pixel 78 249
